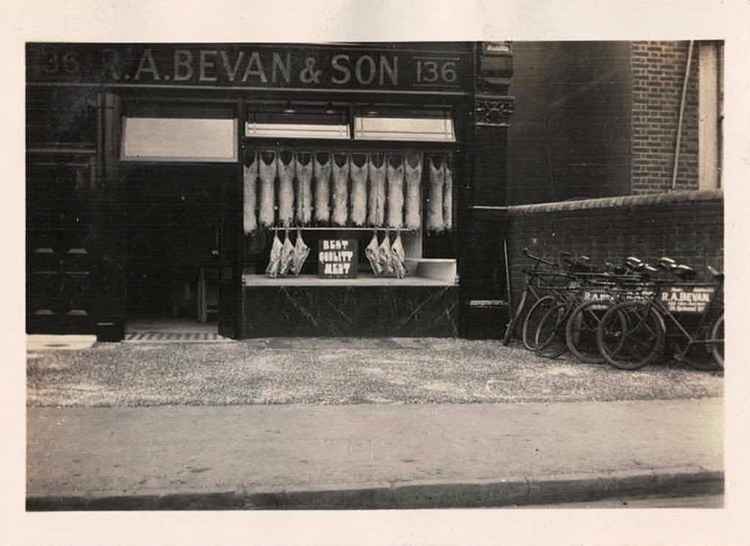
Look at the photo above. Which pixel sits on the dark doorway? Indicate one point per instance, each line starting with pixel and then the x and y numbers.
pixel 173 243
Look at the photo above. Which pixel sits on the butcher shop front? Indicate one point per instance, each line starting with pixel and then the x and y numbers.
pixel 267 190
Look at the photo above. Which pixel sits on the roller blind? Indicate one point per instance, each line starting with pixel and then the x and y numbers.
pixel 179 139
pixel 298 123
pixel 426 129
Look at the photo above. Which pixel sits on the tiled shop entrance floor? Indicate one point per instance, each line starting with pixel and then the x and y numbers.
pixel 173 336
pixel 171 330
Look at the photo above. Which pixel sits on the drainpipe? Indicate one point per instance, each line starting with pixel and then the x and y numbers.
pixel 682 113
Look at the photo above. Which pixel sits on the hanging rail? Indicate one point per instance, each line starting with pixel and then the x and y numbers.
pixel 313 228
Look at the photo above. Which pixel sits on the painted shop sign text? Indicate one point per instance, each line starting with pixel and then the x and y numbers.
pixel 246 66
pixel 687 299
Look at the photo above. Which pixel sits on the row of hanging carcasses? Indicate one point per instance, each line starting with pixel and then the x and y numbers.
pixel 386 258
pixel 331 189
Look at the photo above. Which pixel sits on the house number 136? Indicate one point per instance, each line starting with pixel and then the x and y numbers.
pixel 432 71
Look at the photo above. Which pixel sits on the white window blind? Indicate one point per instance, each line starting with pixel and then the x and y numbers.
pixel 426 129
pixel 179 139
pixel 296 130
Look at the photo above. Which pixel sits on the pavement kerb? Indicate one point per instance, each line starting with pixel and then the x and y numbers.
pixel 680 481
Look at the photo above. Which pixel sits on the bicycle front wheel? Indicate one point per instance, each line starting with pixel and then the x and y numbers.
pixel 533 318
pixel 630 335
pixel 580 331
pixel 550 335
pixel 717 341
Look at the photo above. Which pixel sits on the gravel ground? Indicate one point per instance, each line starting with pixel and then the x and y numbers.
pixel 339 371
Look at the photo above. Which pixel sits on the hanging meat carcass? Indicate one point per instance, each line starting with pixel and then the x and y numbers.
pixel 385 261
pixel 287 255
pixel 372 251
pixel 398 257
pixel 286 168
pixel 274 261
pixel 340 164
pixel 322 168
pixel 301 251
pixel 448 198
pixel 250 193
pixel 358 175
pixel 435 220
pixel 267 173
pixel 376 196
pixel 395 192
pixel 413 175
pixel 304 189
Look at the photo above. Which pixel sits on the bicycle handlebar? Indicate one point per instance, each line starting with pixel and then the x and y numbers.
pixel 537 258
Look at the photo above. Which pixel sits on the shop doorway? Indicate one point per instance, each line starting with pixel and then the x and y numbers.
pixel 176 220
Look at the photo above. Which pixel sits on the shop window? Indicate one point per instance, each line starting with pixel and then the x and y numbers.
pixel 60 117
pixel 179 139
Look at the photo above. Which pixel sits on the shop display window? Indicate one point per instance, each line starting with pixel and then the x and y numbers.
pixel 366 204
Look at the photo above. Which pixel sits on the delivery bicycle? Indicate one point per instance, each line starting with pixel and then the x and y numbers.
pixel 687 316
pixel 545 284
pixel 571 324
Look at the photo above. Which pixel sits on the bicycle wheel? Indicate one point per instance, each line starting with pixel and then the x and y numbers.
pixel 696 355
pixel 531 321
pixel 580 331
pixel 550 335
pixel 717 341
pixel 515 319
pixel 630 335
pixel 695 351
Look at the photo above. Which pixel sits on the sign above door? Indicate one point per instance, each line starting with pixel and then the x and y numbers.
pixel 441 67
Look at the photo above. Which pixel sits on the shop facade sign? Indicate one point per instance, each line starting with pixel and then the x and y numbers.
pixel 337 258
pixel 255 66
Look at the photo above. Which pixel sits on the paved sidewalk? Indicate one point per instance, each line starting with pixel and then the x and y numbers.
pixel 370 456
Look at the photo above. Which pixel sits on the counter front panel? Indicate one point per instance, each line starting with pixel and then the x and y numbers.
pixel 318 309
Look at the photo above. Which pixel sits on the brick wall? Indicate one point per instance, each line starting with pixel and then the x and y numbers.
pixel 658 71
pixel 687 226
pixel 599 119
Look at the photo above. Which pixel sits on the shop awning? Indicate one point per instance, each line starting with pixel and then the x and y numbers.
pixel 179 139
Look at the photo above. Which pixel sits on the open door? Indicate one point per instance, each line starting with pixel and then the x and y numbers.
pixel 230 259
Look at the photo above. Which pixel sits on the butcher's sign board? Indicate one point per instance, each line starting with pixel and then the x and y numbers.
pixel 424 68
pixel 687 299
pixel 337 258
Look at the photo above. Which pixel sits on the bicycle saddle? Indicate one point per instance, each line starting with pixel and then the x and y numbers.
pixel 666 263
pixel 615 269
pixel 718 275
pixel 684 272
pixel 633 263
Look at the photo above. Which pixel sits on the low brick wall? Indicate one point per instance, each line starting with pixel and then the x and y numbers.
pixel 687 226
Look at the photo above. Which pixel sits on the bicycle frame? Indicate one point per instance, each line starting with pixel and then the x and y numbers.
pixel 679 330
